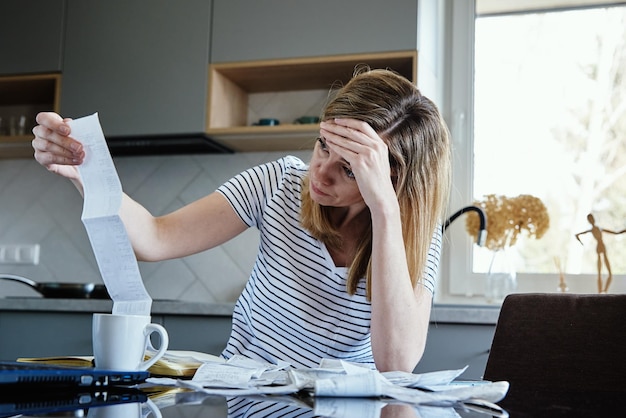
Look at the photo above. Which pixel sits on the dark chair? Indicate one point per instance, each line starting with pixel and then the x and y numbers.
pixel 563 352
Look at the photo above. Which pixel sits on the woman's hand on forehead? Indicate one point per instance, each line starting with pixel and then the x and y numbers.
pixel 358 143
pixel 351 129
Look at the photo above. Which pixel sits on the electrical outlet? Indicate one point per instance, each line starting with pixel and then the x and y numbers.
pixel 19 254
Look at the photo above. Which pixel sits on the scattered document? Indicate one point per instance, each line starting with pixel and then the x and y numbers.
pixel 240 372
pixel 428 380
pixel 341 389
pixel 240 376
pixel 107 234
pixel 366 385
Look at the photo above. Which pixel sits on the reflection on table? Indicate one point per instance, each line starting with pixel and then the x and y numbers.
pixel 183 403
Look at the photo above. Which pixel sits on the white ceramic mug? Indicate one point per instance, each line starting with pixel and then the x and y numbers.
pixel 120 341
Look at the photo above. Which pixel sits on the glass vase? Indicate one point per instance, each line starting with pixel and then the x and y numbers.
pixel 501 277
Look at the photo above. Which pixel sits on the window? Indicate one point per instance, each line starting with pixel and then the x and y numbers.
pixel 538 106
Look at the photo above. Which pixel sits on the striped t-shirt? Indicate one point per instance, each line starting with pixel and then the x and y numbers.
pixel 295 306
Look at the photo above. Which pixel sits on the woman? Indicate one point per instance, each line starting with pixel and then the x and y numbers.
pixel 350 243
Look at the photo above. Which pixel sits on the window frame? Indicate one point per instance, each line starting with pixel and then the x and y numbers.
pixel 458 283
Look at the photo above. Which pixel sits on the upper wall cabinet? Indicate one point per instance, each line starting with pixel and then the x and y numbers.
pixel 257 30
pixel 141 64
pixel 234 88
pixel 31 35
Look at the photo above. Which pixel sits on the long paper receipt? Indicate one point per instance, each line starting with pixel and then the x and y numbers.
pixel 107 234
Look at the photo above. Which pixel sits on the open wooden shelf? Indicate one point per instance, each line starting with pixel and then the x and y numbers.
pixel 267 138
pixel 231 84
pixel 25 95
pixel 18 146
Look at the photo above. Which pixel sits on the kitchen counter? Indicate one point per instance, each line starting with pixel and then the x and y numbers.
pixel 458 314
pixel 159 307
pixel 465 314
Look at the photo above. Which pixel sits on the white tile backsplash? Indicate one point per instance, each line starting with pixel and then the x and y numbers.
pixel 39 207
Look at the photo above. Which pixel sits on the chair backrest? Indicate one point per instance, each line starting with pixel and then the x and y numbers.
pixel 560 342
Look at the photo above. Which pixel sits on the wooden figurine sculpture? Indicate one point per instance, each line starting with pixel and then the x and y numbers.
pixel 596 232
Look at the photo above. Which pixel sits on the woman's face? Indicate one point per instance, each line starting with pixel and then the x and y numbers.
pixel 331 182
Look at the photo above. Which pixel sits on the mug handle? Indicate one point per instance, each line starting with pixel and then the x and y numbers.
pixel 147 331
pixel 149 407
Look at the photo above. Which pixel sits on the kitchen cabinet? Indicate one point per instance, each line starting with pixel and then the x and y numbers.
pixel 207 334
pixel 37 327
pixel 37 334
pixel 281 47
pixel 275 29
pixel 142 65
pixel 21 98
pixel 33 334
pixel 451 346
pixel 32 34
pixel 232 85
pixel 31 49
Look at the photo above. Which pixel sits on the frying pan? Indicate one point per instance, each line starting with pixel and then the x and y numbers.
pixel 63 290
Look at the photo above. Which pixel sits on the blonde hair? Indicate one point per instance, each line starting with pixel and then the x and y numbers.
pixel 420 159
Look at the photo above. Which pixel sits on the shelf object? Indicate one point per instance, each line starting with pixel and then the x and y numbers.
pixel 24 96
pixel 231 84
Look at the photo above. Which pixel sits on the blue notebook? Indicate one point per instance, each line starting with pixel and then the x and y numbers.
pixel 36 374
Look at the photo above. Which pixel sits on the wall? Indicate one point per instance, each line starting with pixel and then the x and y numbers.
pixel 40 207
